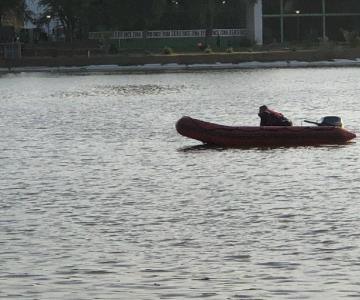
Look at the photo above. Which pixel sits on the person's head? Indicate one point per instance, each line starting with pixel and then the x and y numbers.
pixel 263 108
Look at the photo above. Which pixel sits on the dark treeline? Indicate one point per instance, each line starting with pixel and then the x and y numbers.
pixel 15 7
pixel 82 16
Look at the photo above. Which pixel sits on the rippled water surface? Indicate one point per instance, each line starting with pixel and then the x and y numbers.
pixel 100 198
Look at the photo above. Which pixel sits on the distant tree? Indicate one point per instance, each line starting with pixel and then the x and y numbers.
pixel 113 15
pixel 148 12
pixel 72 14
pixel 133 14
pixel 16 7
pixel 78 17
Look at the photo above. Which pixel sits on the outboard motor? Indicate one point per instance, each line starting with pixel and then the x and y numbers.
pixel 328 121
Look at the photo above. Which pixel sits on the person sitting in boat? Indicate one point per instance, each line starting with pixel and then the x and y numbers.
pixel 272 118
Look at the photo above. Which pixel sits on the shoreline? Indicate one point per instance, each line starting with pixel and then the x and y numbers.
pixel 186 62
pixel 158 68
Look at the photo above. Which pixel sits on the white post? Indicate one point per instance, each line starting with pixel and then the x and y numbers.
pixel 255 21
pixel 324 20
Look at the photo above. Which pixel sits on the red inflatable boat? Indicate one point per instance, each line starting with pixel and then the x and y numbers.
pixel 247 136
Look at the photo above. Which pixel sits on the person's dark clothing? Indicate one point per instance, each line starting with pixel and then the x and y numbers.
pixel 272 118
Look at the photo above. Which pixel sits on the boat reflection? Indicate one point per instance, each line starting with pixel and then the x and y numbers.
pixel 208 147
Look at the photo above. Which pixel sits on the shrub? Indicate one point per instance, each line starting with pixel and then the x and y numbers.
pixel 208 50
pixel 245 42
pixel 351 37
pixel 168 50
pixel 113 49
pixel 354 39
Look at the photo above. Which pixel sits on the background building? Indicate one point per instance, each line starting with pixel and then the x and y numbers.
pixel 301 20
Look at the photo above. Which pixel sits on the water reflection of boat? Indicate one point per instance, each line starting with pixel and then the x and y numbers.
pixel 240 136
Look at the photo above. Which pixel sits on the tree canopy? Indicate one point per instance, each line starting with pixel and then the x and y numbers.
pixel 16 7
pixel 81 16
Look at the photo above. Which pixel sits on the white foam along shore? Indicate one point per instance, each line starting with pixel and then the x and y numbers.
pixel 179 67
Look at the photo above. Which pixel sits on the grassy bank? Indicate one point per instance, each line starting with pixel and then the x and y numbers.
pixel 309 55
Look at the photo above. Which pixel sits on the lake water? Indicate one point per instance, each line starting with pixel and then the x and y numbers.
pixel 100 198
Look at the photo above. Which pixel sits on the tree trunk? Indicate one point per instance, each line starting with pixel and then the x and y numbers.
pixel 68 30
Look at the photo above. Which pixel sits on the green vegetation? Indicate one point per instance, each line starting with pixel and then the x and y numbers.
pixel 208 50
pixel 168 50
pixel 82 16
pixel 16 7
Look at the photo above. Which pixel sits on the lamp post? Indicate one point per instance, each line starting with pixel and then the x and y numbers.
pixel 48 19
pixel 298 24
pixel 218 38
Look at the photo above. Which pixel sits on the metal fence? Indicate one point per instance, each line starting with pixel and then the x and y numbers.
pixel 163 34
